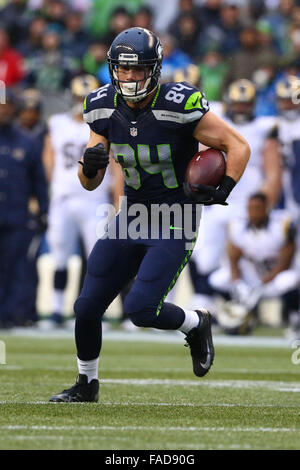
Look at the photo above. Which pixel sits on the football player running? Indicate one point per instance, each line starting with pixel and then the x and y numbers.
pixel 153 131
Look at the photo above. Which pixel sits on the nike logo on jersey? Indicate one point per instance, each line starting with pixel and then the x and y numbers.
pixel 175 228
pixel 195 102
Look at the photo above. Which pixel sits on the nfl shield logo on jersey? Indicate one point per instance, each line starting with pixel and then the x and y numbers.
pixel 133 131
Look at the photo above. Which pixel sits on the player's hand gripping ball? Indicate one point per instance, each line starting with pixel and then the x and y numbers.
pixel 206 181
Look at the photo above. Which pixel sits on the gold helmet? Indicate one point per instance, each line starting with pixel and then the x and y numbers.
pixel 82 85
pixel 240 101
pixel 288 97
pixel 287 88
pixel 189 74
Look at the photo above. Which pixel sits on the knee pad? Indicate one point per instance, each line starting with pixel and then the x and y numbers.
pixel 138 311
pixel 60 279
pixel 144 318
pixel 86 309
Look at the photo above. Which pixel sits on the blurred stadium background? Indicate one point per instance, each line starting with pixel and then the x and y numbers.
pixel 45 44
pixel 249 399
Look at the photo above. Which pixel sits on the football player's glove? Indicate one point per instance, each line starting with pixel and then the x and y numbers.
pixel 209 195
pixel 94 159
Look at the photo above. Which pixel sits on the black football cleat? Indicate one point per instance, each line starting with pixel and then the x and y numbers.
pixel 82 391
pixel 200 341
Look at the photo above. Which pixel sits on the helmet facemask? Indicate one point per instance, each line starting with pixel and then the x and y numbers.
pixel 132 91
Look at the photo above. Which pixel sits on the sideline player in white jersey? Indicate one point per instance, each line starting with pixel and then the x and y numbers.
pixel 261 265
pixel 263 173
pixel 74 212
pixel 287 134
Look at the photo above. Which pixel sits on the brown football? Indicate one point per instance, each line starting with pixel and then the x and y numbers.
pixel 206 167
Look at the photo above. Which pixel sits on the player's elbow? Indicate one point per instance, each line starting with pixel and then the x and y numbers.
pixel 245 149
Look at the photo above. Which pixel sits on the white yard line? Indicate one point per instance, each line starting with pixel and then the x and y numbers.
pixel 236 384
pixel 149 428
pixel 157 337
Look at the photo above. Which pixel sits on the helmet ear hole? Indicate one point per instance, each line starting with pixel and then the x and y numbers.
pixel 135 47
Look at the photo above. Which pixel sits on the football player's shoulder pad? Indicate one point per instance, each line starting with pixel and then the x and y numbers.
pixel 183 97
pixel 99 104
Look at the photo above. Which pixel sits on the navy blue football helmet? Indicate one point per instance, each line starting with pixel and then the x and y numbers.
pixel 135 47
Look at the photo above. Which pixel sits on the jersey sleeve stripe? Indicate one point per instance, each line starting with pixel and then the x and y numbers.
pixel 181 118
pixel 95 114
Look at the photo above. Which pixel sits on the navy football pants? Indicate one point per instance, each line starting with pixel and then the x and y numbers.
pixel 156 264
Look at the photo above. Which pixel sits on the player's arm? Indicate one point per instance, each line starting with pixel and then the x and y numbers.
pixel 48 157
pixel 117 185
pixel 213 132
pixel 234 256
pixel 94 161
pixel 285 257
pixel 272 171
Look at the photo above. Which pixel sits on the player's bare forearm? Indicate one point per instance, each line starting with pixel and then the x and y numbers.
pixel 213 132
pixel 90 183
pixel 272 168
pixel 117 186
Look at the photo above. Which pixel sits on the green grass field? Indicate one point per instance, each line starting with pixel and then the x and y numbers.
pixel 149 398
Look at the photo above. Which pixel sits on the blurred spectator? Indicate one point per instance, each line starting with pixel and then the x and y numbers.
pixel 30 120
pixel 173 58
pixel 55 12
pixel 16 19
pixel 11 62
pixel 210 12
pixel 33 42
pixel 265 38
pixel 293 48
pixel 94 62
pixel 230 26
pixel 227 32
pixel 143 18
pixel 187 34
pixel 256 9
pixel 186 8
pixel 164 13
pixel 244 62
pixel 265 78
pixel 101 11
pixel 296 14
pixel 279 21
pixel 213 71
pixel 119 21
pixel 48 69
pixel 75 40
pixel 22 176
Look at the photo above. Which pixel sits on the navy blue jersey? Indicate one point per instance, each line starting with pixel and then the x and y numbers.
pixel 22 175
pixel 153 145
